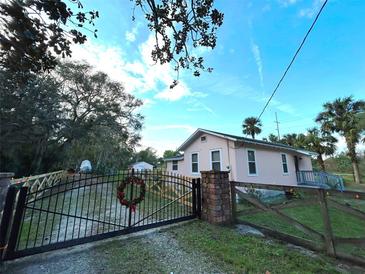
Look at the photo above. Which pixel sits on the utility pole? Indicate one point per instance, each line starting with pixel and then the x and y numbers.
pixel 277 125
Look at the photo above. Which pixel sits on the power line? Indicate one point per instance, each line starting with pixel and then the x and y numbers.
pixel 294 57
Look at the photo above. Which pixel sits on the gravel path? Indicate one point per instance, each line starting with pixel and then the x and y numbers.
pixel 153 251
pixel 174 258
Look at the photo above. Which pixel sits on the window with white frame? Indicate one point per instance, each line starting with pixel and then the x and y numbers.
pixel 215 158
pixel 251 158
pixel 194 163
pixel 174 165
pixel 285 163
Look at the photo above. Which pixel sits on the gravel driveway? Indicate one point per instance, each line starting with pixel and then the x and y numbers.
pixel 153 251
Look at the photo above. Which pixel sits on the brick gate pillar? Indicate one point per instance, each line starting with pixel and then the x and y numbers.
pixel 216 201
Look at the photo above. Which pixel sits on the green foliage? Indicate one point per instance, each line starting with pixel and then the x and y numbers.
pixel 273 138
pixel 57 121
pixel 251 126
pixel 342 116
pixel 169 153
pixel 36 32
pixel 192 24
pixel 339 163
pixel 148 155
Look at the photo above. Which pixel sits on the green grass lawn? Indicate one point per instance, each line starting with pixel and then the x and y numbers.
pixel 343 224
pixel 247 254
pixel 350 181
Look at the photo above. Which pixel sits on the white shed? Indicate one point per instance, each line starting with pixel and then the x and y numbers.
pixel 141 166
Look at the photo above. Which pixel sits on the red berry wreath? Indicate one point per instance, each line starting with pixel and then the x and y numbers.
pixel 121 194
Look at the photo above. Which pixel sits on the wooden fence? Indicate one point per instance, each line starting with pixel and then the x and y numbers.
pixel 38 182
pixel 319 219
pixel 163 183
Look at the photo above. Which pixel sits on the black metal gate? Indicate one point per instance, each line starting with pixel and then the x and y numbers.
pixel 84 208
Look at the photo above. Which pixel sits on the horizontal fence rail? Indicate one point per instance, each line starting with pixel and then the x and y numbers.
pixel 87 207
pixel 320 219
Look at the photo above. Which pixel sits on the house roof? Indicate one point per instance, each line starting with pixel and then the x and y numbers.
pixel 175 158
pixel 137 163
pixel 244 140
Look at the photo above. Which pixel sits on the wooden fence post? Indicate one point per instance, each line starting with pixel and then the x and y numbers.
pixel 328 234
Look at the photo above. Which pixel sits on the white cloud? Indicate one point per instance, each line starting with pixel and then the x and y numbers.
pixel 286 3
pixel 188 128
pixel 174 94
pixel 139 75
pixel 310 12
pixel 147 103
pixel 110 60
pixel 342 147
pixel 160 145
pixel 197 105
pixel 257 55
pixel 131 35
pixel 164 137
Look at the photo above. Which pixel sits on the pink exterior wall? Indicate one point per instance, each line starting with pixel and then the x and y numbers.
pixel 234 158
pixel 204 153
pixel 204 150
pixel 269 165
pixel 180 168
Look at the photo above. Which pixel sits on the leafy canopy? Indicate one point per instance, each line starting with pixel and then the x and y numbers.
pixel 178 26
pixel 57 120
pixel 34 33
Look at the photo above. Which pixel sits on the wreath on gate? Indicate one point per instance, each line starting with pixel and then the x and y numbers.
pixel 132 204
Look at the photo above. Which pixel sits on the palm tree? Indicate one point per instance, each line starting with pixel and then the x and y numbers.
pixel 289 139
pixel 251 126
pixel 341 116
pixel 320 142
pixel 294 140
pixel 273 138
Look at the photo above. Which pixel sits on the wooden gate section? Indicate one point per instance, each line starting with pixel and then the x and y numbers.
pixel 84 208
pixel 320 219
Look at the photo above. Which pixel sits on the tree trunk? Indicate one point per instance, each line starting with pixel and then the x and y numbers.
pixel 354 160
pixel 38 158
pixel 321 162
pixel 355 167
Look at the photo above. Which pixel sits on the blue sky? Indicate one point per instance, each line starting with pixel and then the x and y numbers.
pixel 255 43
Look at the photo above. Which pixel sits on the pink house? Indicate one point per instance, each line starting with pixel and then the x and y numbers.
pixel 248 160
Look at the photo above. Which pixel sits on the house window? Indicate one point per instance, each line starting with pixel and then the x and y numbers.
pixel 285 163
pixel 251 157
pixel 216 160
pixel 174 165
pixel 194 163
pixel 203 138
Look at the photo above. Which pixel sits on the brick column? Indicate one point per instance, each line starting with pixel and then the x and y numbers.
pixel 216 201
pixel 4 185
